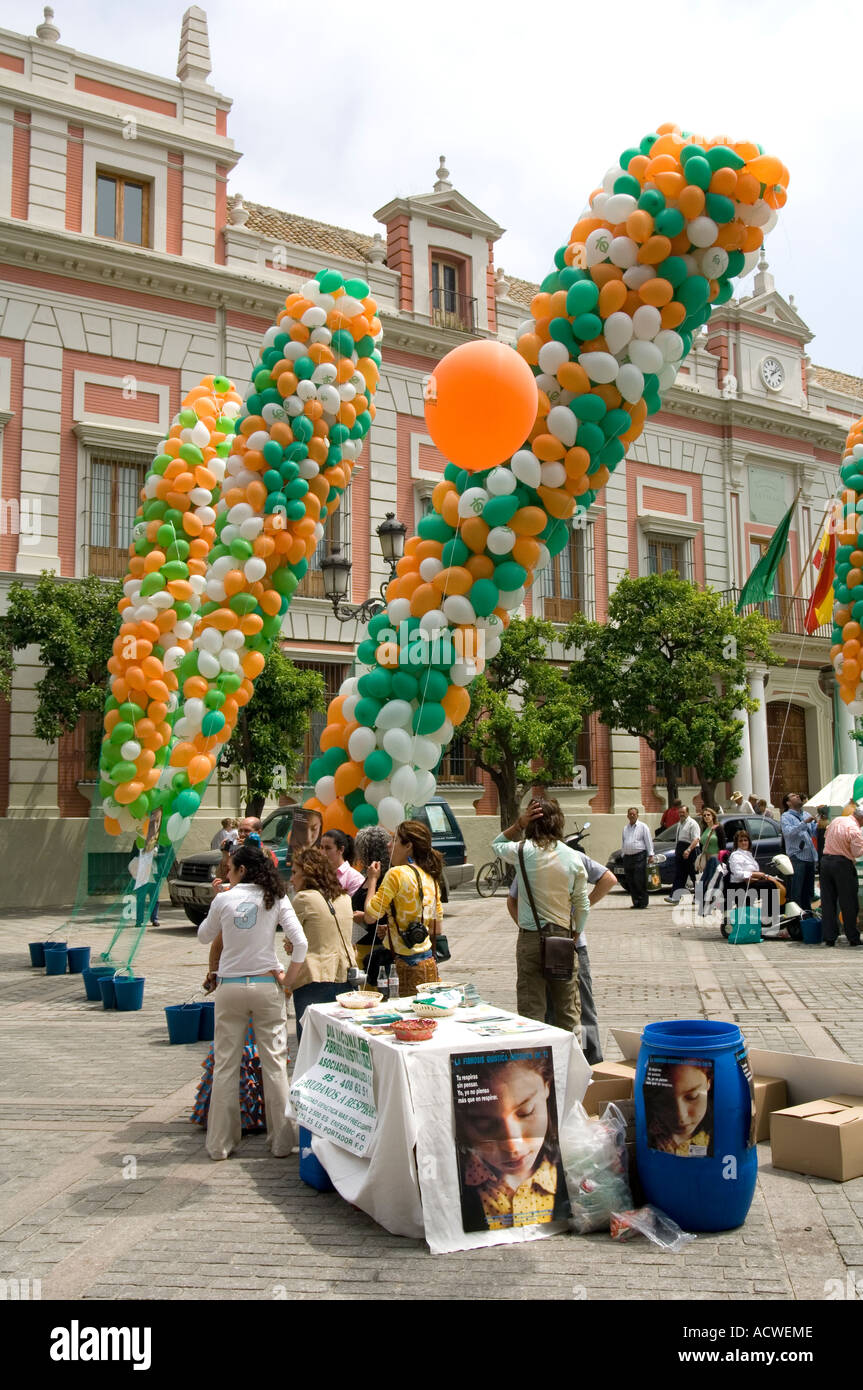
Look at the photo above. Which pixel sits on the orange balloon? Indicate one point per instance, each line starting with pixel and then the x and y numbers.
pixel 336 815
pixel 199 768
pixel 481 405
pixel 456 702
pixel 347 778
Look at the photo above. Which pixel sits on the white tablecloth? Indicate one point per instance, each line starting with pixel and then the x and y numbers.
pixel 408 1179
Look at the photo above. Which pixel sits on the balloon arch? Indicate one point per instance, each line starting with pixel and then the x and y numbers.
pixel 234 504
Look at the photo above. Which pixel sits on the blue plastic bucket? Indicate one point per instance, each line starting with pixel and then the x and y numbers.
pixel 91 978
pixel 37 952
pixel 811 930
pixel 207 1025
pixel 184 1022
pixel 56 959
pixel 106 991
pixel 79 959
pixel 129 992
pixel 695 1123
pixel 312 1171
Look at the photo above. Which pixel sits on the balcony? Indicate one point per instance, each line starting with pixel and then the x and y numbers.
pixel 450 309
pixel 787 610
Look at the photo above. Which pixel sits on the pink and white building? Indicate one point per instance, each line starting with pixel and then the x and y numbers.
pixel 129 268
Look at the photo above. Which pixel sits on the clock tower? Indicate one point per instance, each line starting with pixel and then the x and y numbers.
pixel 761 342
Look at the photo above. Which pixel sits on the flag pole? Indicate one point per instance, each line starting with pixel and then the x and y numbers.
pixel 816 538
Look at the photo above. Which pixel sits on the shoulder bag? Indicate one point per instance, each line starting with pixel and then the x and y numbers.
pixel 556 953
pixel 349 950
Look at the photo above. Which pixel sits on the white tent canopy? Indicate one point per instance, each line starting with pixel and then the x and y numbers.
pixel 836 794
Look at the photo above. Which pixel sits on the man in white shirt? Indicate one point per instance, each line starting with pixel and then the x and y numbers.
pixel 637 846
pixel 685 853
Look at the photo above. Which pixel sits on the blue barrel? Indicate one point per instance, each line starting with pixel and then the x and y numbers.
pixel 695 1123
pixel 129 992
pixel 37 952
pixel 184 1022
pixel 91 978
pixel 79 959
pixel 56 958
pixel 810 928
pixel 106 991
pixel 207 1025
pixel 312 1171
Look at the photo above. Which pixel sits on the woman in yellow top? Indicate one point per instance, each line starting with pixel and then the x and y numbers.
pixel 409 898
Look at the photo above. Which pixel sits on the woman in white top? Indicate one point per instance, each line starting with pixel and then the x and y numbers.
pixel 745 871
pixel 250 983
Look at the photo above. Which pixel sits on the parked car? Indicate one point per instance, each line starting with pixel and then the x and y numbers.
pixel 190 881
pixel 766 841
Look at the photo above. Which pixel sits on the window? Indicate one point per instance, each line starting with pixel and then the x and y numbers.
pixel 336 533
pixel 565 584
pixel 122 209
pixel 333 672
pixel 114 499
pixel 777 608
pixel 663 556
pixel 451 306
pixel 686 776
pixel 457 765
pixel 584 755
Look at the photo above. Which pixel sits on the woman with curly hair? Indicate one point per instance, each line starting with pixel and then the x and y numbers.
pixel 409 900
pixel 373 844
pixel 325 914
pixel 249 975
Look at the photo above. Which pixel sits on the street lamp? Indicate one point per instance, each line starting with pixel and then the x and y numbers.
pixel 336 571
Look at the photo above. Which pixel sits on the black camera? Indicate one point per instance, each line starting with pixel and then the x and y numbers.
pixel 414 934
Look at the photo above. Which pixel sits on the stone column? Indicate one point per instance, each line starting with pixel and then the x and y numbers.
pixel 758 735
pixel 847 750
pixel 742 779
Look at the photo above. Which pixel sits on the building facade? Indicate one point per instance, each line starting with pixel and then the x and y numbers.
pixel 128 270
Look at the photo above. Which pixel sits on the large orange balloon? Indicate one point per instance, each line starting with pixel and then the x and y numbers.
pixel 481 404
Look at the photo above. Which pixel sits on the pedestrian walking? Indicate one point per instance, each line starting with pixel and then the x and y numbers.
pixel 552 903
pixel 636 847
pixel 686 845
pixel 843 846
pixel 797 826
pixel 712 845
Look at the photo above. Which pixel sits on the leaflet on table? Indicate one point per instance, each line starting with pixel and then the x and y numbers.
pixel 335 1098
pixel 507 1028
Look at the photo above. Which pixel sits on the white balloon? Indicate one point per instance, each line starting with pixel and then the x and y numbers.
pixel 647 356
pixel 501 482
pixel 646 321
pixel 398 610
pixel 215 589
pixel 391 812
pixel 624 252
pixel 229 660
pixel 562 424
pixel 630 382
pixel 404 785
pixel 429 568
pixel 361 742
pixel 492 647
pixel 552 355
pixel 348 686
pixel 395 714
pixel 598 244
pixel 750 261
pixel 200 496
pixel 617 330
pixel 433 621
pixel 398 743
pixel 329 398
pixel 208 665
pixel 131 750
pixel 172 658
pixel 855 707
pixel 425 752
pixel 500 540
pixel 713 262
pixel 670 344
pixel 133 867
pixel 183 630
pixel 349 705
pixel 459 609
pixel 618 207
pixel 426 787
pixel 637 275
pixel 444 734
pixel 601 367
pixel 177 826
pixel 183 728
pixel 472 501
pixel 526 467
pixel 553 474
pixel 667 376
pixel 702 231
pixel 210 640
pixel 508 599
pixel 325 790
pixel 544 556
pixel 375 792
pixel 194 710
pixel 233 639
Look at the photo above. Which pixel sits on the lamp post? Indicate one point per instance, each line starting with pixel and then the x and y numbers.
pixel 336 571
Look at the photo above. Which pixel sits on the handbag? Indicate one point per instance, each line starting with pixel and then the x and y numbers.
pixel 556 953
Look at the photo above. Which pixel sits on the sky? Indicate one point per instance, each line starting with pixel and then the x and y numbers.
pixel 339 106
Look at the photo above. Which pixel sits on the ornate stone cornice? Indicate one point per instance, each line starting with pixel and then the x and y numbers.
pixel 782 421
pixel 95 435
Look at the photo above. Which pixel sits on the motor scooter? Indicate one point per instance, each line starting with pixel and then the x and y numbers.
pixel 789 913
pixel 574 840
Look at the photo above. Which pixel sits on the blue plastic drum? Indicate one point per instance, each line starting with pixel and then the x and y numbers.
pixel 695 1123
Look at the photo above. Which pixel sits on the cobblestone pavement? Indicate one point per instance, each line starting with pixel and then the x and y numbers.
pixel 90 1098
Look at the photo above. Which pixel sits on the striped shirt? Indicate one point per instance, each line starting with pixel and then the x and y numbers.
pixel 844 837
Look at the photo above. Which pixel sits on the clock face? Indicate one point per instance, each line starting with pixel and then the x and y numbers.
pixel 772 374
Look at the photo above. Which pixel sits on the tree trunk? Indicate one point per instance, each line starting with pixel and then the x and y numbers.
pixel 254 804
pixel 708 793
pixel 672 772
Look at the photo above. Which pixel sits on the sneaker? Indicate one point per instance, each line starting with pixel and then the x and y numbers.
pixel 673 901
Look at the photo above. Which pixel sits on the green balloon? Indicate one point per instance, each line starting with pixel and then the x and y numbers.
pixel 378 765
pixel 124 772
pixel 316 770
pixel 455 552
pixel 379 623
pixel 354 799
pixel 499 510
pixel 721 157
pixel 367 711
pixel 588 407
pixel 433 528
pixel 590 437
pixel 283 581
pixel 699 172
pixel 670 222
pixel 212 723
pixel 243 603
pixel 587 326
pixel 507 576
pixel 484 595
pixel 628 183
pixel 366 651
pixel 377 683
pixel 357 289
pixel 329 280
pixel 428 718
pixel 365 815
pixel 652 201
pixel 187 803
pixel 694 292
pixel 433 685
pixel 720 208
pixel 582 297
pixel 333 758
pixel 405 686
pixel 121 733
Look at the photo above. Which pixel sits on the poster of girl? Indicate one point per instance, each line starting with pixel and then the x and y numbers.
pixel 678 1107
pixel 506 1132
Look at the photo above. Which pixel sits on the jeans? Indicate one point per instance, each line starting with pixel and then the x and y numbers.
pixel 803 884
pixel 318 992
pixel 706 884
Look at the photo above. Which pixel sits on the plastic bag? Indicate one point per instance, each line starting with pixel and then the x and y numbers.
pixel 594 1162
pixel 653 1223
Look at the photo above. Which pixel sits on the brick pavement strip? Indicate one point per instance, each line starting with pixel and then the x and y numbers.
pixel 108 1086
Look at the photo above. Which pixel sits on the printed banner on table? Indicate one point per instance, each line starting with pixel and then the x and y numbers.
pixel 678 1106
pixel 506 1132
pixel 335 1098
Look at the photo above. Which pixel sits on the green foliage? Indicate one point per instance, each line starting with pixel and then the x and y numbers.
pixel 523 710
pixel 73 623
pixel 670 666
pixel 271 729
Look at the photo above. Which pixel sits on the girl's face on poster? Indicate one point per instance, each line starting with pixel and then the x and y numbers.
pixel 690 1099
pixel 509 1129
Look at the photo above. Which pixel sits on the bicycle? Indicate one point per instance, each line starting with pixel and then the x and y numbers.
pixel 492 876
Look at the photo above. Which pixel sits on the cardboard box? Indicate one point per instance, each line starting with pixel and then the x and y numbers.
pixel 606 1088
pixel 771 1093
pixel 823 1138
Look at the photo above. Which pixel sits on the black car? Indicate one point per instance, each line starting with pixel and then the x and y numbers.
pixel 764 832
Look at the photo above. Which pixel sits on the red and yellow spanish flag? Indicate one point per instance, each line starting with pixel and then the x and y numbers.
pixel 821 603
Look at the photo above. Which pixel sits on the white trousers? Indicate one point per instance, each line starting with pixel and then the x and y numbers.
pixel 266 1004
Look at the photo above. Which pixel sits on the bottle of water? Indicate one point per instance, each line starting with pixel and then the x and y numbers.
pixel 393 983
pixel 382 983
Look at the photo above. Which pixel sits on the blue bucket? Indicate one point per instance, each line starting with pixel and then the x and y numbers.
pixel 56 959
pixel 106 991
pixel 312 1171
pixel 184 1022
pixel 811 930
pixel 79 959
pixel 695 1123
pixel 129 993
pixel 37 952
pixel 91 978
pixel 207 1025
